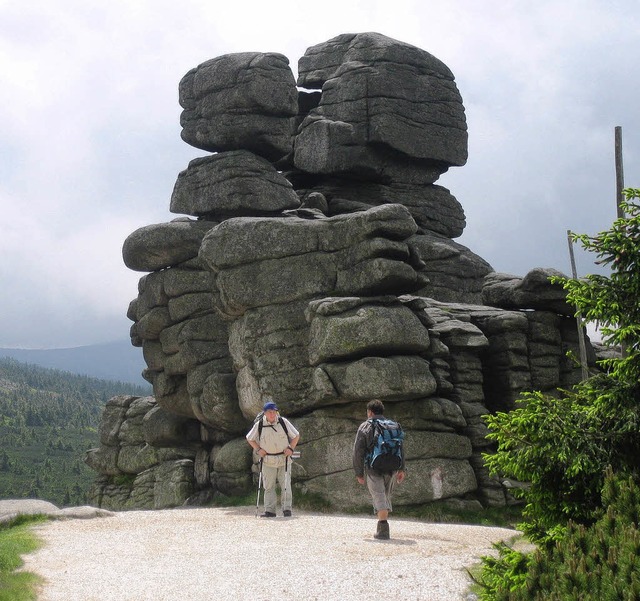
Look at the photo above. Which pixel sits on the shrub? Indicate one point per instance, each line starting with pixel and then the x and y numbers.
pixel 562 446
pixel 600 562
pixel 578 450
pixel 503 575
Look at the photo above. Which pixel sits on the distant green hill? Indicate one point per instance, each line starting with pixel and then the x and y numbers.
pixel 48 419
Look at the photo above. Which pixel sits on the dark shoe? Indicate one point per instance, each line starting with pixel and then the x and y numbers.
pixel 382 532
pixel 268 514
pixel 287 513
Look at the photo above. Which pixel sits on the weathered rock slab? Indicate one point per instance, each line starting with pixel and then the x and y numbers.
pixel 387 378
pixel 154 247
pixel 533 291
pixel 231 184
pixel 365 330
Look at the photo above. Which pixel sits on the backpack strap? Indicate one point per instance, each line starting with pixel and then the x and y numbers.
pixel 284 427
pixel 280 421
pixel 371 438
pixel 374 421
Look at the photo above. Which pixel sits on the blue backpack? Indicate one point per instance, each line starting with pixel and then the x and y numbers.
pixel 386 454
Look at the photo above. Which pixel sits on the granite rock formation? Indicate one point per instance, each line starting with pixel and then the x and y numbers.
pixel 314 264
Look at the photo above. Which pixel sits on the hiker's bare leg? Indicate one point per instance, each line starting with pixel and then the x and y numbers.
pixel 378 488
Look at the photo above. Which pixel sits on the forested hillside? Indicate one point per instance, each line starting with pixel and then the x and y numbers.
pixel 48 419
pixel 117 360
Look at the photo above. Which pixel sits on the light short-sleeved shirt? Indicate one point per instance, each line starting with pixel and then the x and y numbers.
pixel 273 440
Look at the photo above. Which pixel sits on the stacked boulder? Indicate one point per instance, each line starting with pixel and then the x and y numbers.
pixel 387 122
pixel 314 265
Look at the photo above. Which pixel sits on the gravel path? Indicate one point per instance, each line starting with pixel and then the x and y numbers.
pixel 226 554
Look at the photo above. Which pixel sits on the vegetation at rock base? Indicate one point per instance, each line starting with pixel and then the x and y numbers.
pixel 15 541
pixel 48 419
pixel 578 450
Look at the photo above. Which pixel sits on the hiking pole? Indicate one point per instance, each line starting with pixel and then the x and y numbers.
pixel 286 468
pixel 259 485
pixel 294 455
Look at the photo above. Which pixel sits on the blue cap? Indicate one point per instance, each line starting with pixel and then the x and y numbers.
pixel 270 406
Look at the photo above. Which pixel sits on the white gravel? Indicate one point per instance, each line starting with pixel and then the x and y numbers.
pixel 228 554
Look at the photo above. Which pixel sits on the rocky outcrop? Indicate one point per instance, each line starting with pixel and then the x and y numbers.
pixel 146 456
pixel 316 266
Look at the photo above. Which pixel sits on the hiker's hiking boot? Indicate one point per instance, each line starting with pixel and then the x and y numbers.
pixel 268 514
pixel 287 513
pixel 382 532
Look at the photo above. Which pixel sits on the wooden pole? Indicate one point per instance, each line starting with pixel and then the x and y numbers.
pixel 581 341
pixel 619 186
pixel 619 171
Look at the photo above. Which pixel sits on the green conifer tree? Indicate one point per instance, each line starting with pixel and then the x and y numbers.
pixel 564 445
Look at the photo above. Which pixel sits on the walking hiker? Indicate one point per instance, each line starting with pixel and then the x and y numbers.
pixel 378 461
pixel 274 439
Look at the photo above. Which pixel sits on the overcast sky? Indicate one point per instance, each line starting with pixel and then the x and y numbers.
pixel 90 138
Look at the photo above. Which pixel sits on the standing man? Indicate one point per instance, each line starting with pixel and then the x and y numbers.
pixel 274 438
pixel 379 483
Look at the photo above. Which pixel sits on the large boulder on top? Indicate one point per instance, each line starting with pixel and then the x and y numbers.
pixel 320 62
pixel 383 103
pixel 246 100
